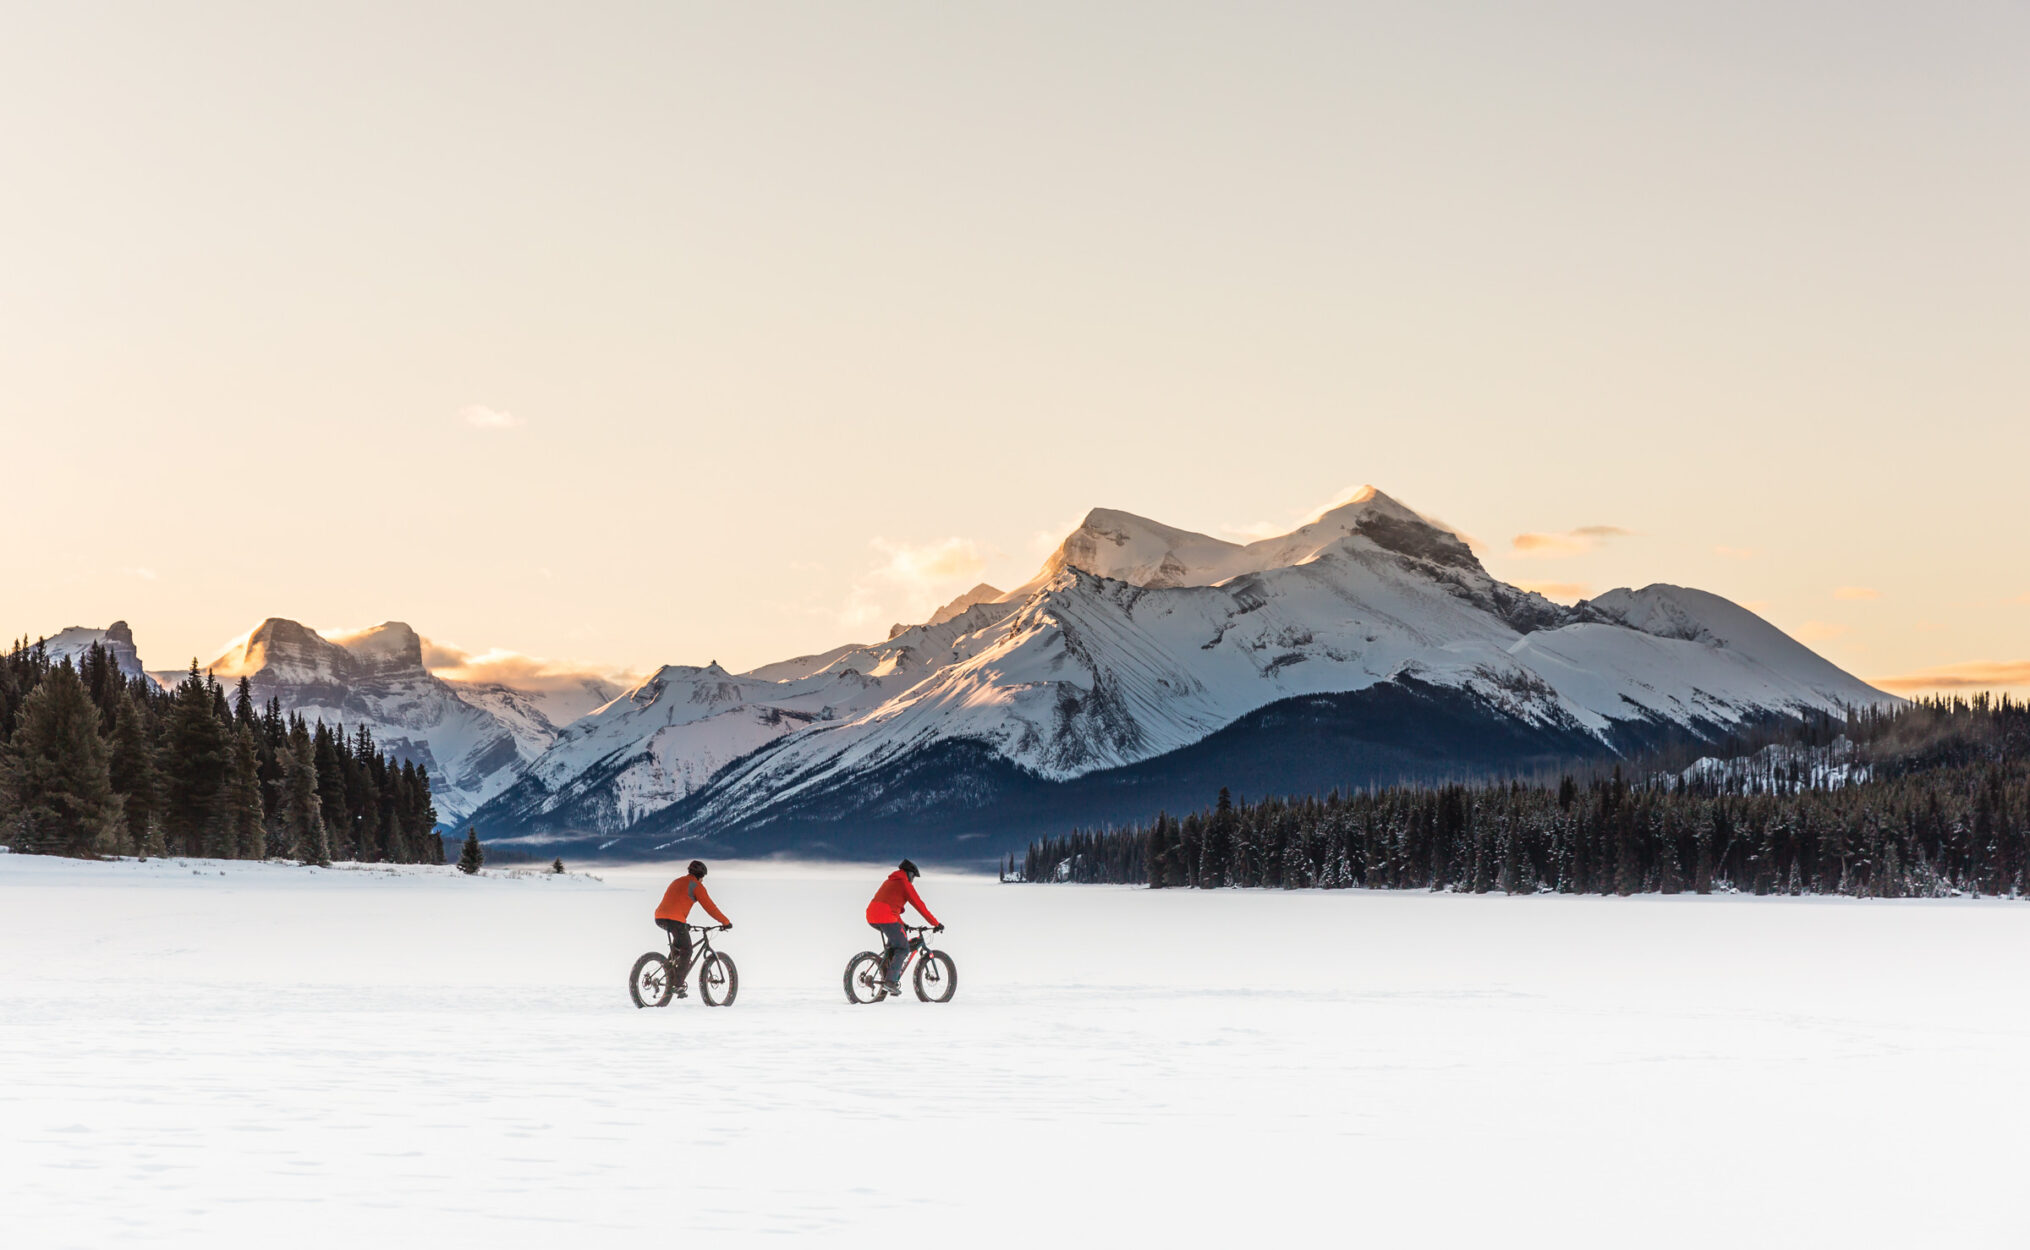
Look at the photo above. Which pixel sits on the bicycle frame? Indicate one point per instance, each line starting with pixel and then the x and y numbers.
pixel 700 950
pixel 919 945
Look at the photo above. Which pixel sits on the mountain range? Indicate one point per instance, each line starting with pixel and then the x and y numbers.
pixel 1142 667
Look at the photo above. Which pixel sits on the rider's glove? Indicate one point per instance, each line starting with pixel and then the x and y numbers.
pixel 937 928
pixel 727 925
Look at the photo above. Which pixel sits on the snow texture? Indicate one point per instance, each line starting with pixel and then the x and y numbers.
pixel 226 1054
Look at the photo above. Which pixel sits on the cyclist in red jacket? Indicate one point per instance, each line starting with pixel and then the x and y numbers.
pixel 885 915
pixel 673 917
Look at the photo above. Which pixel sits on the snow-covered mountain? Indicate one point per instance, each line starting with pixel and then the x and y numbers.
pixel 74 642
pixel 1139 649
pixel 474 738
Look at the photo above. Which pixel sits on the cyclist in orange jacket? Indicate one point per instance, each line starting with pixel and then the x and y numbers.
pixel 673 916
pixel 885 915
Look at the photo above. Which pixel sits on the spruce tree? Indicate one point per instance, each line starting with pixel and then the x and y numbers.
pixel 302 809
pixel 470 856
pixel 193 762
pixel 134 777
pixel 557 866
pixel 328 751
pixel 56 783
pixel 245 823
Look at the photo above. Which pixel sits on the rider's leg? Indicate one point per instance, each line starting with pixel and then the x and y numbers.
pixel 680 949
pixel 897 940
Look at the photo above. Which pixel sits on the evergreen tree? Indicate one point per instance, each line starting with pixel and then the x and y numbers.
pixel 470 856
pixel 246 819
pixel 302 809
pixel 132 762
pixel 557 866
pixel 193 761
pixel 56 784
pixel 328 752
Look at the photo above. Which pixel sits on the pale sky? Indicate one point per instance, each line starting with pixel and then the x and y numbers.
pixel 662 333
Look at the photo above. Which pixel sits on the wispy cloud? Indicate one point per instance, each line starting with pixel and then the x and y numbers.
pixel 912 580
pixel 481 417
pixel 1857 592
pixel 1558 590
pixel 1737 553
pixel 1972 675
pixel 1046 540
pixel 1820 631
pixel 524 672
pixel 2022 598
pixel 1567 542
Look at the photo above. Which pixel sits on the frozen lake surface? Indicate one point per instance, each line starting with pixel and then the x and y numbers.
pixel 231 1054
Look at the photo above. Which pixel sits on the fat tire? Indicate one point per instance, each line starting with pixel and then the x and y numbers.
pixel 947 977
pixel 852 979
pixel 634 981
pixel 718 960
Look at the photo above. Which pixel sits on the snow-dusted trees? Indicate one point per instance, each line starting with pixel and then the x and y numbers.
pixel 1927 799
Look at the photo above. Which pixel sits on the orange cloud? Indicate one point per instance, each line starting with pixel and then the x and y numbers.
pixel 524 672
pixel 1568 543
pixel 1857 592
pixel 913 579
pixel 1557 590
pixel 1972 675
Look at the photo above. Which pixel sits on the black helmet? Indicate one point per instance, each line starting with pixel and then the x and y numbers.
pixel 697 867
pixel 909 870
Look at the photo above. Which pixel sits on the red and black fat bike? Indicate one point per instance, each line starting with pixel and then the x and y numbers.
pixel 936 977
pixel 657 976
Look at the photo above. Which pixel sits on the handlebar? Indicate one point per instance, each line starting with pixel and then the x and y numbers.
pixel 923 928
pixel 708 928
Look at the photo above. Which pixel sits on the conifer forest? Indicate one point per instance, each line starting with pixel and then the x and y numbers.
pixel 1923 799
pixel 93 762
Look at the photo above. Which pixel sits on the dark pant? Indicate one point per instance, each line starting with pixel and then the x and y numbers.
pixel 897 940
pixel 680 945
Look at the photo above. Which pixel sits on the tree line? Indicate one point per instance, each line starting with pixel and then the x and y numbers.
pixel 1925 799
pixel 93 762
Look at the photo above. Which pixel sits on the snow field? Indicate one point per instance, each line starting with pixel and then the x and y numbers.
pixel 227 1054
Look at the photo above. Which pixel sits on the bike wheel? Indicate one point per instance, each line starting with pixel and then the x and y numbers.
pixel 863 978
pixel 937 978
pixel 718 980
pixel 652 981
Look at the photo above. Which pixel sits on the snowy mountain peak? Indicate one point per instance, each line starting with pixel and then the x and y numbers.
pixel 386 648
pixel 284 651
pixel 1146 553
pixel 1134 549
pixel 982 593
pixel 117 639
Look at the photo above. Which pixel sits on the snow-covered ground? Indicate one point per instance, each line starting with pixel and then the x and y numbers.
pixel 226 1054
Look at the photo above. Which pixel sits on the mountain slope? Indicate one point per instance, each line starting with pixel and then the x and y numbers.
pixel 1136 642
pixel 72 644
pixel 474 741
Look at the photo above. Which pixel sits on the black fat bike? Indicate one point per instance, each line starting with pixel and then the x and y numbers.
pixel 936 980
pixel 657 976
